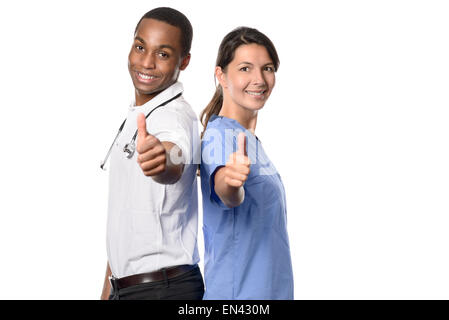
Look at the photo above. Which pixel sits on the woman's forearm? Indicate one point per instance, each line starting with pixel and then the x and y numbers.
pixel 231 196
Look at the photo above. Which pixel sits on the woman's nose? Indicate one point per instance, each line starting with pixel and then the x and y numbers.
pixel 259 78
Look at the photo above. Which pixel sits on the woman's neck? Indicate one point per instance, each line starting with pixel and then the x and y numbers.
pixel 247 118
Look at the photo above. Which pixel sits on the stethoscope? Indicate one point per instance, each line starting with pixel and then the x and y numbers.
pixel 130 148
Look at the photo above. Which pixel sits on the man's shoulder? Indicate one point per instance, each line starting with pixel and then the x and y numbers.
pixel 181 107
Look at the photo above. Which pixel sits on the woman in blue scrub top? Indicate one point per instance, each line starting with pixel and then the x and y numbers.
pixel 247 252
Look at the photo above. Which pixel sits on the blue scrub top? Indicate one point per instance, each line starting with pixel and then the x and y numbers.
pixel 247 252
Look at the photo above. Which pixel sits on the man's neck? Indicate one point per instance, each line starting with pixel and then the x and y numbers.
pixel 141 99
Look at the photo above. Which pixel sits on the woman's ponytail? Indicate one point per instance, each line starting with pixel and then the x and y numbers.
pixel 213 108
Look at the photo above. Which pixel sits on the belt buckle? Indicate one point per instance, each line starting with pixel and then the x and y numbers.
pixel 113 282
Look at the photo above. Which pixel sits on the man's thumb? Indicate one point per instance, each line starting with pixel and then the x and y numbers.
pixel 141 126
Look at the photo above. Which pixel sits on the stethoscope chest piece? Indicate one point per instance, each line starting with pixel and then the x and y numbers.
pixel 129 149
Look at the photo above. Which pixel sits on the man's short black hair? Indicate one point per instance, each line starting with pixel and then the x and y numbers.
pixel 175 18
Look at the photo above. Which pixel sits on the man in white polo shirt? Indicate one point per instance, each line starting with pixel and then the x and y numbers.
pixel 153 208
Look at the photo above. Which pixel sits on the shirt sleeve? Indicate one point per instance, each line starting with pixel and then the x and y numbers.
pixel 217 145
pixel 173 126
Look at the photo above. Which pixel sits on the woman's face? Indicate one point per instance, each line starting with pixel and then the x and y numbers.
pixel 249 78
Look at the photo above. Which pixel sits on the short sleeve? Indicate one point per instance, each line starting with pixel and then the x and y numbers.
pixel 217 145
pixel 173 126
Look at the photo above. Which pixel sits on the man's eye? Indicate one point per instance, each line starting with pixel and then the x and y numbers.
pixel 139 48
pixel 163 55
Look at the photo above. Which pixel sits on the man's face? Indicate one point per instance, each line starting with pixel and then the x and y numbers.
pixel 155 58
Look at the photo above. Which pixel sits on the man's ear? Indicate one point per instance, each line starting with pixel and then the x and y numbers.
pixel 185 62
pixel 220 76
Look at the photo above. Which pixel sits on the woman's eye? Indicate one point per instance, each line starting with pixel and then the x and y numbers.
pixel 244 69
pixel 269 69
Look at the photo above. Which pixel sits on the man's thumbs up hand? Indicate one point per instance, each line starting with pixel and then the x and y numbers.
pixel 237 168
pixel 141 126
pixel 152 156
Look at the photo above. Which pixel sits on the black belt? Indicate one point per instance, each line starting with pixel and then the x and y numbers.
pixel 159 275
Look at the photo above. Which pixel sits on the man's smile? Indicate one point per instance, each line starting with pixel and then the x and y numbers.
pixel 145 77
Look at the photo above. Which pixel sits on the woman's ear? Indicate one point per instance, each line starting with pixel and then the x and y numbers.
pixel 220 76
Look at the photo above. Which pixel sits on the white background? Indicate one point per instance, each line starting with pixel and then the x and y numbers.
pixel 357 127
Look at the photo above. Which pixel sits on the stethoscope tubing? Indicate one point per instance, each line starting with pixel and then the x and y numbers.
pixel 130 147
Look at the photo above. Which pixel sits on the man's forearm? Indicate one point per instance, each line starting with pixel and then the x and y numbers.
pixel 174 165
pixel 106 285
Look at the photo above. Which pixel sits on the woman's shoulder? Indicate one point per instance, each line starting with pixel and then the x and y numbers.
pixel 222 123
pixel 219 128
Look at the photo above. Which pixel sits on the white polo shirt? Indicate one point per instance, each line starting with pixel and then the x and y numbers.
pixel 152 225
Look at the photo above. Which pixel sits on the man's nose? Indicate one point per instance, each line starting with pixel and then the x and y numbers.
pixel 148 61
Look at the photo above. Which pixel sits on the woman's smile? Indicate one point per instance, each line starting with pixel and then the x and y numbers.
pixel 257 94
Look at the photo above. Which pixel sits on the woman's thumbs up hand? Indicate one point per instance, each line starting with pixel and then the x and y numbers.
pixel 237 168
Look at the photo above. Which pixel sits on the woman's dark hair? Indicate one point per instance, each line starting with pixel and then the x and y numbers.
pixel 175 18
pixel 226 52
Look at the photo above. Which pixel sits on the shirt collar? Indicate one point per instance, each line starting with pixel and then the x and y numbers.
pixel 163 96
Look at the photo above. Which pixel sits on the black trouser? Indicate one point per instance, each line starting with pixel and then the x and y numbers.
pixel 187 286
